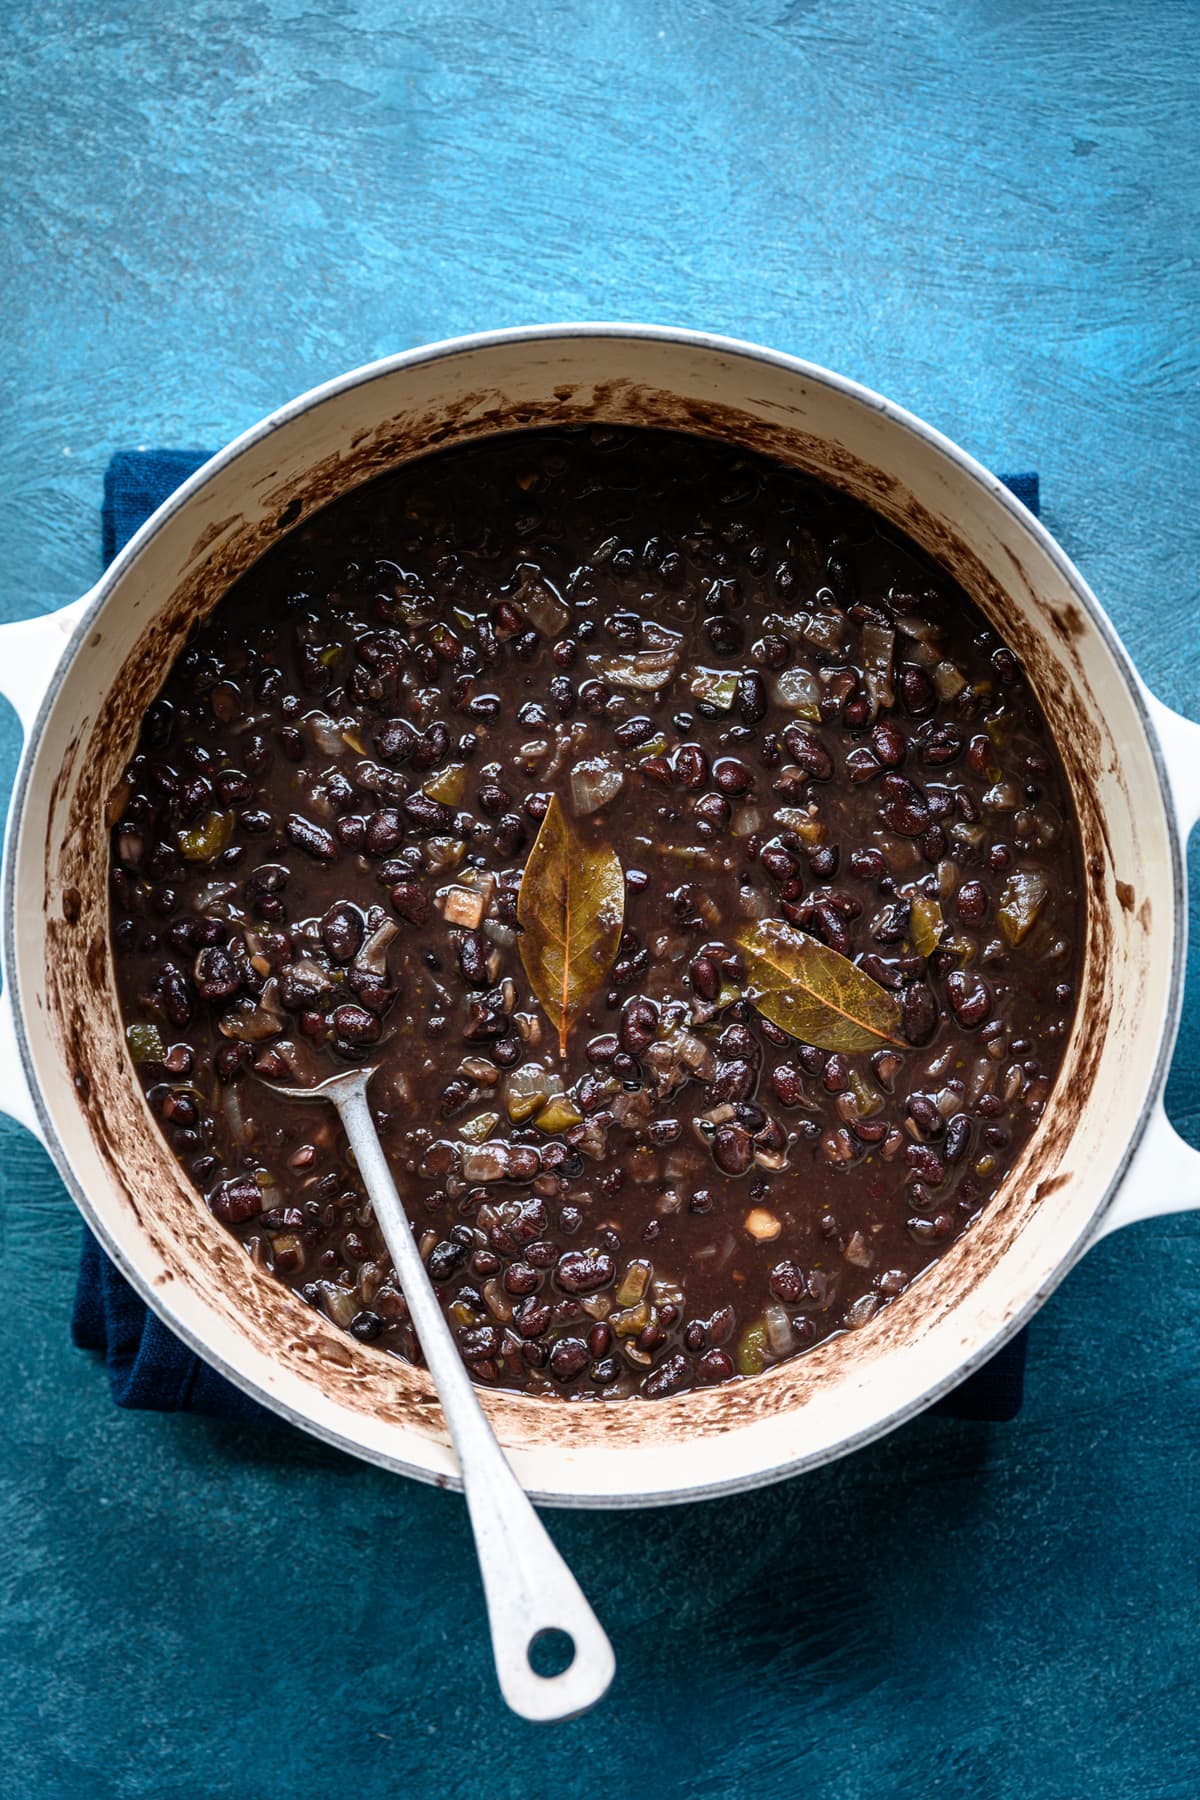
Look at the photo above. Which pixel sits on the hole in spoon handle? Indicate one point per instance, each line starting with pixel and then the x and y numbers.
pixel 553 1659
pixel 554 1672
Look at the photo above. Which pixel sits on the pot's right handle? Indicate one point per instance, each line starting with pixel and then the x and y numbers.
pixel 1164 1176
pixel 30 652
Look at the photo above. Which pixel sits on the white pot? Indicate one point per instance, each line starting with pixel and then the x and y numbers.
pixel 1104 1153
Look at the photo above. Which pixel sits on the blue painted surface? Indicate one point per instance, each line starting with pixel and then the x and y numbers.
pixel 988 210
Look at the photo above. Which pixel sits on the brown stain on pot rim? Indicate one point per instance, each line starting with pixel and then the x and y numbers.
pixel 194 1249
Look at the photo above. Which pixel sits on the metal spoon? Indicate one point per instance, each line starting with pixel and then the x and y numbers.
pixel 528 1587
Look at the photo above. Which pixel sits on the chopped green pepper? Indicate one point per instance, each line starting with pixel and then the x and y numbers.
pixel 480 1128
pixel 1025 893
pixel 204 843
pixel 448 785
pixel 559 1115
pixel 145 1043
pixel 718 687
pixel 928 924
pixel 752 1349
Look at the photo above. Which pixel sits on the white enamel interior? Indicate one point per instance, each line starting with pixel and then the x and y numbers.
pixel 848 1390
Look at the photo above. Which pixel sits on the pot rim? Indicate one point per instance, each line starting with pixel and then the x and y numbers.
pixel 734 348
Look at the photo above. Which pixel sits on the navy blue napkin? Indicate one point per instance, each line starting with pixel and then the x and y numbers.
pixel 148 1367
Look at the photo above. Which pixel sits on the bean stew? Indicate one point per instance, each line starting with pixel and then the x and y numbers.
pixel 680 844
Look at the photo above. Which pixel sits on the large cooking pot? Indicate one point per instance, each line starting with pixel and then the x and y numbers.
pixel 80 679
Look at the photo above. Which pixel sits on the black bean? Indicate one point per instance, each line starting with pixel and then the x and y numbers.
pixel 568 1357
pixel 228 1060
pixel 715 1365
pixel 342 931
pixel 178 1109
pixel 970 997
pixel 751 697
pixel 732 1081
pixel 971 903
pixel 236 1200
pixel 904 809
pixel 787 1084
pixel 233 788
pixel 444 1259
pixel 713 812
pixel 705 977
pixel 639 1025
pixel 355 1025
pixel 474 950
pixel 396 740
pixel 919 1013
pixel 411 902
pixel 731 776
pixel 917 691
pixel 426 816
pixel 941 745
pixel 922 1109
pixel 634 731
pixel 788 1282
pixel 351 832
pixel 668 1378
pixel 806 749
pixel 925 1164
pixel 732 1149
pixel 314 840
pixel 532 1317
pixel 737 1039
pixel 492 799
pixel 585 1271
pixel 958 1138
pixel 215 974
pixel 888 743
pixel 725 635
pixel 366 1326
pixel 176 995
pixel 434 746
pixel 868 865
pixel 385 832
pixel 691 766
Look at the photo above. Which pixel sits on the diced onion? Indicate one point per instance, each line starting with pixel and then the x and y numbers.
pixel 798 691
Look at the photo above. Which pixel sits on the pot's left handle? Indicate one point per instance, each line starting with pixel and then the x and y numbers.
pixel 1164 1175
pixel 30 652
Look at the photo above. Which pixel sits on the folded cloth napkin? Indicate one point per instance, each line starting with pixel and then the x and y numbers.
pixel 147 1365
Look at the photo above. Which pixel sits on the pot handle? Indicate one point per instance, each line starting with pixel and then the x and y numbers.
pixel 1179 740
pixel 30 651
pixel 1164 1175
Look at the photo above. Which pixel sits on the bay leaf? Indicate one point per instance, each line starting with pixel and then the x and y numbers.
pixel 571 908
pixel 814 994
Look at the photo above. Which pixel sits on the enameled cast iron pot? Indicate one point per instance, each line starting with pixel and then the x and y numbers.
pixel 80 680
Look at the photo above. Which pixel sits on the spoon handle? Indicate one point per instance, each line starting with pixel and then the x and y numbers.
pixel 528 1586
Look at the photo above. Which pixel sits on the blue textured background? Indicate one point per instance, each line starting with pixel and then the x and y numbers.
pixel 987 209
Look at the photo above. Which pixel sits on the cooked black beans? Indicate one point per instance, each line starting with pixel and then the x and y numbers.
pixel 786 712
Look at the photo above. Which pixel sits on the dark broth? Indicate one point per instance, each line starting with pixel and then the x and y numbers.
pixel 769 704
